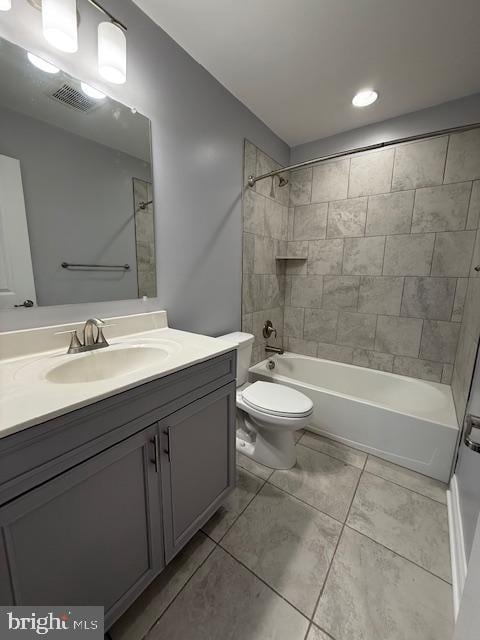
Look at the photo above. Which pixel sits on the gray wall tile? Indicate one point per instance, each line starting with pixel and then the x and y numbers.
pixel 380 294
pixel 390 213
pixel 249 161
pixel 419 164
pixel 373 359
pixel 265 164
pixel 300 186
pixel 371 173
pixel 310 221
pixel 439 341
pixel 253 212
pixel 417 368
pixel 340 292
pixel 356 329
pixel 408 255
pixel 290 222
pixel 325 257
pixel 425 297
pixel 306 291
pixel 330 181
pixel 459 301
pixel 463 158
pixel 473 219
pixel 293 322
pixel 400 336
pixel 443 208
pixel 264 260
pixel 347 217
pixel 248 252
pixel 335 352
pixel 453 253
pixel 275 220
pixel 320 325
pixel 363 256
pixel 297 248
pixel 447 373
pixel 303 347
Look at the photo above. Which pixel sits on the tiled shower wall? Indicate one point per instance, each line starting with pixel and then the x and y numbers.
pixel 389 237
pixel 265 216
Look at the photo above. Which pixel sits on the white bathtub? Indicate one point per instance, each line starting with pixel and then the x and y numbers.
pixel 407 421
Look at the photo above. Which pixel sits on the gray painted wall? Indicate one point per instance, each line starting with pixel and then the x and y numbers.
pixel 198 130
pixel 79 203
pixel 449 114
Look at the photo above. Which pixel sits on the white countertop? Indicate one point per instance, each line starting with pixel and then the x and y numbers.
pixel 28 398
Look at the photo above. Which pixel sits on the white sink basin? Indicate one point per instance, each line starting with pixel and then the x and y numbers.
pixel 110 362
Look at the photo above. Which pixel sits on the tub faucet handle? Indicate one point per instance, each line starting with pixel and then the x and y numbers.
pixel 269 330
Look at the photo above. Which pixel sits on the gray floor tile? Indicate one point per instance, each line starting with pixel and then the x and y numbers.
pixel 373 594
pixel 222 520
pixel 335 449
pixel 412 525
pixel 322 481
pixel 286 543
pixel 317 634
pixel 298 434
pixel 147 609
pixel 407 478
pixel 254 467
pixel 224 601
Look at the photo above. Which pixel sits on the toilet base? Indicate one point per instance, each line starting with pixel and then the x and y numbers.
pixel 270 448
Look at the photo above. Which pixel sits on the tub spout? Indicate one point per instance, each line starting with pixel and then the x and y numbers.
pixel 270 349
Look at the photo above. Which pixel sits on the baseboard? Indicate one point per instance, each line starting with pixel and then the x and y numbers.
pixel 457 547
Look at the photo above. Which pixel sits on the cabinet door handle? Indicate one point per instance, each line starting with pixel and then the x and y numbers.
pixel 166 432
pixel 154 441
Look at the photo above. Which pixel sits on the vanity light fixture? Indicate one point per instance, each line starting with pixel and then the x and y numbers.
pixel 364 98
pixel 42 64
pixel 91 92
pixel 112 52
pixel 59 20
pixel 5 5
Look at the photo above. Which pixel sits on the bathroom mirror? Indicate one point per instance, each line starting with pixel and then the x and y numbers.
pixel 76 194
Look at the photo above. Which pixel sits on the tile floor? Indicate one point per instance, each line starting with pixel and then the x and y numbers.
pixel 344 546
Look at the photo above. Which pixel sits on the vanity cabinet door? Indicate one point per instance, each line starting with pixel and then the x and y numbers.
pixel 91 536
pixel 198 464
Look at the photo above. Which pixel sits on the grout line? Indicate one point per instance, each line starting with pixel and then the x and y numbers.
pixel 336 549
pixel 445 161
pixel 269 586
pixel 398 554
pixel 180 590
pixel 332 456
pixel 402 485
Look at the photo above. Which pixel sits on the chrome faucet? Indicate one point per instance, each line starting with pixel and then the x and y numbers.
pixel 90 341
pixel 268 331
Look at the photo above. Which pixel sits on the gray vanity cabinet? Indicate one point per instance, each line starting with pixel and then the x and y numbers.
pixel 91 536
pixel 198 464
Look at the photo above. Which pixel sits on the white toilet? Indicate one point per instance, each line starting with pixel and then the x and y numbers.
pixel 269 413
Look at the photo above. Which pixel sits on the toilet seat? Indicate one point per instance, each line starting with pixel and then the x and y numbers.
pixel 277 400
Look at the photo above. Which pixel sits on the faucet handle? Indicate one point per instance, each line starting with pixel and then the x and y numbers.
pixel 75 343
pixel 100 337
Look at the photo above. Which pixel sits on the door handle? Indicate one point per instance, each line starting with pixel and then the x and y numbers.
pixel 166 432
pixel 26 303
pixel 471 422
pixel 154 441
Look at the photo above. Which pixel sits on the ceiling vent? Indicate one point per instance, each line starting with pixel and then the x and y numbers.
pixel 71 97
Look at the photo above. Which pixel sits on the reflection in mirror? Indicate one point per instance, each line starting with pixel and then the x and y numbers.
pixel 75 190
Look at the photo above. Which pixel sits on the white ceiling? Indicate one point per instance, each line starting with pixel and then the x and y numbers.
pixel 297 63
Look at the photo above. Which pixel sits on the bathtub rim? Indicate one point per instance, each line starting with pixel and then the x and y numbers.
pixel 256 369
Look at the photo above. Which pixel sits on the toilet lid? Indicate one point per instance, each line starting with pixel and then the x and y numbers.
pixel 277 399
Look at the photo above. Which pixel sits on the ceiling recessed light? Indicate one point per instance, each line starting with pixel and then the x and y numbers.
pixel 42 64
pixel 364 98
pixel 92 92
pixel 5 5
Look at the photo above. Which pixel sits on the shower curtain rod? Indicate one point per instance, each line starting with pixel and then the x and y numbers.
pixel 379 145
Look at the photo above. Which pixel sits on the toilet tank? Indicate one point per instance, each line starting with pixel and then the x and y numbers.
pixel 244 344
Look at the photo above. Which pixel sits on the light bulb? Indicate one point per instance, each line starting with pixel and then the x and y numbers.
pixel 112 53
pixel 59 20
pixel 91 91
pixel 42 64
pixel 364 98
